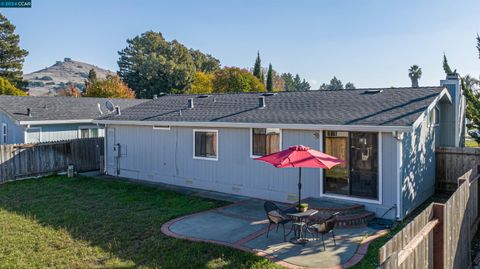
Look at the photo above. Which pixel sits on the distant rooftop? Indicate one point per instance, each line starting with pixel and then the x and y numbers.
pixel 59 108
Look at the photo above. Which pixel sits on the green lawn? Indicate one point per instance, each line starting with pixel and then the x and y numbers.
pixel 82 222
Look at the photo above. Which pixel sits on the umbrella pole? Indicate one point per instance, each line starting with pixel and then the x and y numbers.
pixel 299 186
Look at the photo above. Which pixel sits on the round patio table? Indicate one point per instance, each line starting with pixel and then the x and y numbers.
pixel 299 224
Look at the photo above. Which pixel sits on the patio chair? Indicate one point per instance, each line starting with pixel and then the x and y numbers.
pixel 322 227
pixel 276 217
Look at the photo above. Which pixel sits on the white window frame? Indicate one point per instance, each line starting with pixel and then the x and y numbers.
pixel 34 128
pixel 251 141
pixel 435 111
pixel 4 133
pixel 79 132
pixel 216 148
pixel 379 201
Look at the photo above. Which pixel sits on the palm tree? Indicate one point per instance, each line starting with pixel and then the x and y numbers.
pixel 415 73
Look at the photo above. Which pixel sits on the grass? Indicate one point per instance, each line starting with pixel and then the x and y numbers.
pixel 470 143
pixel 57 222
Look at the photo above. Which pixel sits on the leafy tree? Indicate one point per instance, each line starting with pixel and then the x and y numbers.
pixel 257 68
pixel 278 82
pixel 111 87
pixel 92 75
pixel 415 73
pixel 349 86
pixel 7 88
pixel 446 67
pixel 70 91
pixel 202 83
pixel 151 65
pixel 11 55
pixel 288 81
pixel 204 62
pixel 270 78
pixel 335 84
pixel 234 79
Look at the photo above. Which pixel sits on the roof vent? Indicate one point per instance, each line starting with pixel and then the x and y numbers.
pixel 29 112
pixel 117 110
pixel 100 108
pixel 269 94
pixel 375 91
pixel 190 103
pixel 261 102
pixel 204 96
pixel 155 96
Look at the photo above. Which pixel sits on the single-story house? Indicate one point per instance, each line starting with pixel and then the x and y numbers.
pixel 30 119
pixel 386 136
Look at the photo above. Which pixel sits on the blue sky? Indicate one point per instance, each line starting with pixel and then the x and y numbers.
pixel 369 42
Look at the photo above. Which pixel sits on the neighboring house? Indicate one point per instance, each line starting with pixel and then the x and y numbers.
pixel 386 136
pixel 28 119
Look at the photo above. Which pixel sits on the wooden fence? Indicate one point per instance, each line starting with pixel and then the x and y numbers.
pixel 440 236
pixel 26 160
pixel 451 163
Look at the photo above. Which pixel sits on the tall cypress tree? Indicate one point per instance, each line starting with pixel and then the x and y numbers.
pixel 257 68
pixel 446 66
pixel 11 55
pixel 270 78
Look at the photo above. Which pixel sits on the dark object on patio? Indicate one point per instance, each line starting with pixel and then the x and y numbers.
pixel 276 216
pixel 323 227
pixel 381 224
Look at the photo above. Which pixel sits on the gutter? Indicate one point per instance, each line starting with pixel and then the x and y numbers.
pixel 317 127
pixel 42 122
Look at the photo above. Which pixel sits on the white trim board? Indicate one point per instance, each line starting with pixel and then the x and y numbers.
pixel 316 127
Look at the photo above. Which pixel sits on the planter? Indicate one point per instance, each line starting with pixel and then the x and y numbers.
pixel 302 207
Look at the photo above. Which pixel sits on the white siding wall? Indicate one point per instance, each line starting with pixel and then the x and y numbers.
pixel 167 156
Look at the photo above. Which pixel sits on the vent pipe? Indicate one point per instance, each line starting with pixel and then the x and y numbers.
pixel 29 112
pixel 190 103
pixel 117 110
pixel 155 96
pixel 261 102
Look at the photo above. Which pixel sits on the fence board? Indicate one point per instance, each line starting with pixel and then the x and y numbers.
pixel 25 160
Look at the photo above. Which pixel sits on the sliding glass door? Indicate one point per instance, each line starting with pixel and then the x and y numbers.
pixel 358 176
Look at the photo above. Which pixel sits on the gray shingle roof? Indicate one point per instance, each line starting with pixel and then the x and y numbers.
pixel 58 108
pixel 390 107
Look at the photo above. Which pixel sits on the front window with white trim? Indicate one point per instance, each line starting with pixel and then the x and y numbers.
pixel 87 132
pixel 4 133
pixel 265 141
pixel 205 144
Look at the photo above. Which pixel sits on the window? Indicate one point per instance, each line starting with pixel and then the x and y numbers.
pixel 265 141
pixel 4 133
pixel 87 132
pixel 205 144
pixel 358 176
pixel 434 116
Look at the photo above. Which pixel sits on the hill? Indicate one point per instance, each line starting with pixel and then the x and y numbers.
pixel 61 75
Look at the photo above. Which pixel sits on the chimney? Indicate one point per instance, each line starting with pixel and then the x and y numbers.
pixel 29 112
pixel 261 102
pixel 456 123
pixel 190 103
pixel 117 110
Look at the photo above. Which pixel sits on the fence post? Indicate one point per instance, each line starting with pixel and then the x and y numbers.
pixel 438 236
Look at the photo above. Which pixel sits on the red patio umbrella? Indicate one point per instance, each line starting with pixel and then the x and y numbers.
pixel 300 156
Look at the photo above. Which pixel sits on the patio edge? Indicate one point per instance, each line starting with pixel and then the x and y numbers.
pixel 356 258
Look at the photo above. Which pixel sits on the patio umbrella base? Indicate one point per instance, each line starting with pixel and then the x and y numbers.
pixel 298 241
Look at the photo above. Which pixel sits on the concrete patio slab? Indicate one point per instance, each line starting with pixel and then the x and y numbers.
pixel 243 225
pixel 217 227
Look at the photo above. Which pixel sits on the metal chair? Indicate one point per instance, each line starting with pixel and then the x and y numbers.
pixel 323 227
pixel 276 217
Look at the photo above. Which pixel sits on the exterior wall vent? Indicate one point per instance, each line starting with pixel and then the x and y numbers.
pixel 261 102
pixel 190 103
pixel 375 91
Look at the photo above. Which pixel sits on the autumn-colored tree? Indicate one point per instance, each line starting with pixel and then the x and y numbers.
pixel 7 88
pixel 111 87
pixel 234 79
pixel 70 91
pixel 202 83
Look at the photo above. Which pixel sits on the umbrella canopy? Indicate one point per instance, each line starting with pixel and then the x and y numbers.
pixel 298 157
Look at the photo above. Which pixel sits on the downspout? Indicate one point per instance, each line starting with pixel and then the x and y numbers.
pixel 399 206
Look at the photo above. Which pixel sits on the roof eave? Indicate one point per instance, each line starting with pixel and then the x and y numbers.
pixel 48 122
pixel 443 93
pixel 366 128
